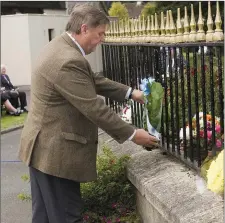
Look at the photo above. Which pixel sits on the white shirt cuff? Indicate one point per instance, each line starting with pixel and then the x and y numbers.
pixel 132 136
pixel 128 93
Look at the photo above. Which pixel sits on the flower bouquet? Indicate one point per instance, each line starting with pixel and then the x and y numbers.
pixel 153 93
pixel 212 167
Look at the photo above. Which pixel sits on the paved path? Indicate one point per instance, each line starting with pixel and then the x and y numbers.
pixel 13 210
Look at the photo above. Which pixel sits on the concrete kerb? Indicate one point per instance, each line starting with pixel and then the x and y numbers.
pixel 11 129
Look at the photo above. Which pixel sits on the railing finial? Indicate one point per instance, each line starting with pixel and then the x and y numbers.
pixel 157 39
pixel 162 28
pixel 218 35
pixel 201 33
pixel 172 29
pixel 167 36
pixel 186 26
pixel 152 29
pixel 179 36
pixel 210 32
pixel 192 36
pixel 148 31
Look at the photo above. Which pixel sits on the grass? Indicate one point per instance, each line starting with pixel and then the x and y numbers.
pixel 8 121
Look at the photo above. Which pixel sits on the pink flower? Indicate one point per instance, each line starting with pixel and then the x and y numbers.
pixel 114 205
pixel 201 133
pixel 86 217
pixel 217 128
pixel 208 125
pixel 118 220
pixel 218 143
pixel 209 134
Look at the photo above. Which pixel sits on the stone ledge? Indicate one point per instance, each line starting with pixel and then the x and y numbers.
pixel 166 188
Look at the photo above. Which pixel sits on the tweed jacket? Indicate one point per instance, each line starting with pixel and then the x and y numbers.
pixel 60 135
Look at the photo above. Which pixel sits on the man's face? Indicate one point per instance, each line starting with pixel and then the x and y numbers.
pixel 92 37
pixel 3 70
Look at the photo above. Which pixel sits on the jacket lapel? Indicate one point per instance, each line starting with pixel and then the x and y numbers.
pixel 70 42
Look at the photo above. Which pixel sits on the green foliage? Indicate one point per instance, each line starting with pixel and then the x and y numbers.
pixel 155 104
pixel 149 9
pixel 118 9
pixel 8 121
pixel 111 197
pixel 24 197
pixel 25 178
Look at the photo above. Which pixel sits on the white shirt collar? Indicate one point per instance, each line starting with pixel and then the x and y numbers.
pixel 81 49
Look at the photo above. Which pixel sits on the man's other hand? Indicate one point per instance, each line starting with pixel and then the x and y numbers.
pixel 138 96
pixel 143 138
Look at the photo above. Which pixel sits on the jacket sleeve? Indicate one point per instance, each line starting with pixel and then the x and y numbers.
pixel 10 83
pixel 110 89
pixel 76 84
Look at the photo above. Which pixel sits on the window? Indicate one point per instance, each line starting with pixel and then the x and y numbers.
pixel 50 34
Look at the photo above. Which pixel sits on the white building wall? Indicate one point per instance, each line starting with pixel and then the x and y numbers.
pixel 15 48
pixel 22 38
pixel 38 31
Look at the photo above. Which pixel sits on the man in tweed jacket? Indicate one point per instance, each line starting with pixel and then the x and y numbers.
pixel 60 136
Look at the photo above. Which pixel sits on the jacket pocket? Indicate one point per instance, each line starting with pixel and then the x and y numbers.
pixel 74 137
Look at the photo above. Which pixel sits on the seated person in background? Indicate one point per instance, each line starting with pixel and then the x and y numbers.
pixel 5 82
pixel 5 101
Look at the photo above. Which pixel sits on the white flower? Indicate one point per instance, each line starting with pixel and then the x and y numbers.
pixel 187 133
pixel 126 115
pixel 200 115
pixel 201 123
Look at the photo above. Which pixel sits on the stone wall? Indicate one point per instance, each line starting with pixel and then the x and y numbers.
pixel 166 189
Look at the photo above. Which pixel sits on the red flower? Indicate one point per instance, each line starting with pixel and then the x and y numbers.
pixel 86 217
pixel 112 162
pixel 201 133
pixel 114 205
pixel 192 71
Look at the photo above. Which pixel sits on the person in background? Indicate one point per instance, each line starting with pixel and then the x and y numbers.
pixel 12 90
pixel 60 137
pixel 5 101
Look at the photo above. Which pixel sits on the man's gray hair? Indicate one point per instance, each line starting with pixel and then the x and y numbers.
pixel 85 14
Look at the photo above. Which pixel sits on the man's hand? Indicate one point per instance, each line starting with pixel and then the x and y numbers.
pixel 143 138
pixel 138 96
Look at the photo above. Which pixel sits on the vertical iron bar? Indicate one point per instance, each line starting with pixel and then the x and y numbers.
pixel 177 103
pixel 166 100
pixel 196 107
pixel 190 149
pixel 131 65
pixel 220 84
pixel 111 71
pixel 104 59
pixel 135 83
pixel 161 81
pixel 183 101
pixel 203 85
pixel 212 99
pixel 115 74
pixel 171 99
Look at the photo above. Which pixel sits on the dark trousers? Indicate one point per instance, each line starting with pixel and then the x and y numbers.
pixel 55 200
pixel 23 99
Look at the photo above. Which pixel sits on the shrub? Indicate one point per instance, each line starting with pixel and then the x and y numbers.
pixel 111 198
pixel 118 9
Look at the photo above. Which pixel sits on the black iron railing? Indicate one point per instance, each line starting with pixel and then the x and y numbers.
pixel 192 77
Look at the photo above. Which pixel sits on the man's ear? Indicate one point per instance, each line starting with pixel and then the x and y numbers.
pixel 83 29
